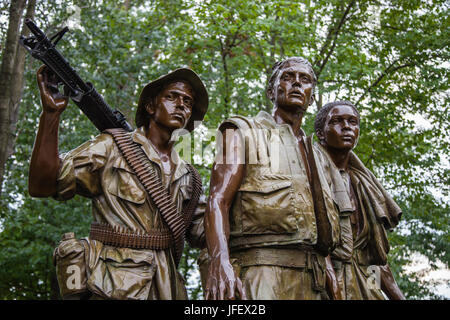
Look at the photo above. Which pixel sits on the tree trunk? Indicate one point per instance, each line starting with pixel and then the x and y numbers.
pixel 11 81
pixel 319 101
pixel 17 80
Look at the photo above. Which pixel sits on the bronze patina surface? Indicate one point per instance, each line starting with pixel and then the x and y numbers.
pixel 98 170
pixel 260 223
pixel 367 211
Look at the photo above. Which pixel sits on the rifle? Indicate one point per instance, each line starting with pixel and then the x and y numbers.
pixel 82 93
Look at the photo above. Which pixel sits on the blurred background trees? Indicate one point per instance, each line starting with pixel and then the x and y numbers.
pixel 390 58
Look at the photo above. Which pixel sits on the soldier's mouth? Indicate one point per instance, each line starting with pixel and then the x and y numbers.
pixel 178 115
pixel 296 94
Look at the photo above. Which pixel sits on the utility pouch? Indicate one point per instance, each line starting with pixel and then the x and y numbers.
pixel 71 267
pixel 318 270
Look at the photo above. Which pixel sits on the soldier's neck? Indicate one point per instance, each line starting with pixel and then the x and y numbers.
pixel 160 138
pixel 340 157
pixel 293 118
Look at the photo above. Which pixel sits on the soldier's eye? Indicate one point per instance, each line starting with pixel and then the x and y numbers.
pixel 189 102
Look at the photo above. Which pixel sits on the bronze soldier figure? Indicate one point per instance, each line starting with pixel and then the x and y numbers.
pixel 260 222
pixel 131 251
pixel 366 210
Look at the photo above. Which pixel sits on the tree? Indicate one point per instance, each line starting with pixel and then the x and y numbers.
pixel 388 57
pixel 11 79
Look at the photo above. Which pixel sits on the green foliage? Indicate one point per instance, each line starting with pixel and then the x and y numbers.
pixel 388 57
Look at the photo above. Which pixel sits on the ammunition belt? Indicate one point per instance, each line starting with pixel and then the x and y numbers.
pixel 122 238
pixel 149 178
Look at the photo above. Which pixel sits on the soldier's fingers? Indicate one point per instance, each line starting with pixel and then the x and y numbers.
pixel 231 289
pixel 41 76
pixel 211 294
pixel 222 290
pixel 240 289
pixel 41 69
pixel 211 289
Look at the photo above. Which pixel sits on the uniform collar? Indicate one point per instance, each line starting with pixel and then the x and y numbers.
pixel 139 137
pixel 267 119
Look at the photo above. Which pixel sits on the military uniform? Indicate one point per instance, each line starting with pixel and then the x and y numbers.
pixel 366 213
pixel 272 222
pixel 98 171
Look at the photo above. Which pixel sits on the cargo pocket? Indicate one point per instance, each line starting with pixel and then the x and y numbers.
pixel 122 273
pixel 267 207
pixel 70 261
pixel 124 183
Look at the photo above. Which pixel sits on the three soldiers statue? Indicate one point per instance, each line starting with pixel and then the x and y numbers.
pixel 285 218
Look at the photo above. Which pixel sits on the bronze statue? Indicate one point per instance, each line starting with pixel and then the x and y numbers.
pixel 134 179
pixel 261 225
pixel 366 210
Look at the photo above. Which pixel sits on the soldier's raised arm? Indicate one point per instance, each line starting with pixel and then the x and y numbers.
pixel 45 162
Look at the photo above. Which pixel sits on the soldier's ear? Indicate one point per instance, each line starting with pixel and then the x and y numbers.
pixel 269 94
pixel 150 107
pixel 320 135
pixel 311 101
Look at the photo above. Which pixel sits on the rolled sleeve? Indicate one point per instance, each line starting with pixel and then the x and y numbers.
pixel 80 168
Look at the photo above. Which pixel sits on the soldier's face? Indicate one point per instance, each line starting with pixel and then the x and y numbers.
pixel 173 106
pixel 341 129
pixel 294 87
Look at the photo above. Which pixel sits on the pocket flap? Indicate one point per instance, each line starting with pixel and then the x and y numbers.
pixel 121 255
pixel 121 163
pixel 124 185
pixel 67 247
pixel 265 186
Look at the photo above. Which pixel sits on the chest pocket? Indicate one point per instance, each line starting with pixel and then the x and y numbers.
pixel 267 207
pixel 124 183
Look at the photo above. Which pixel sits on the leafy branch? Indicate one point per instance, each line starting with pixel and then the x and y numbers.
pixel 332 36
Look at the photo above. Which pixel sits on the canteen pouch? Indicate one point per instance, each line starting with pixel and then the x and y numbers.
pixel 69 258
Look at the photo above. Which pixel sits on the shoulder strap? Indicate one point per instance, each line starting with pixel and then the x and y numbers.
pixel 147 175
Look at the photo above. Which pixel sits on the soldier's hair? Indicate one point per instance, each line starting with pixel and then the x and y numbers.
pixel 321 116
pixel 276 68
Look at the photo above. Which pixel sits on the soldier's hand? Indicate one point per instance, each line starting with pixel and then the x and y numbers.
pixel 332 284
pixel 222 282
pixel 52 99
